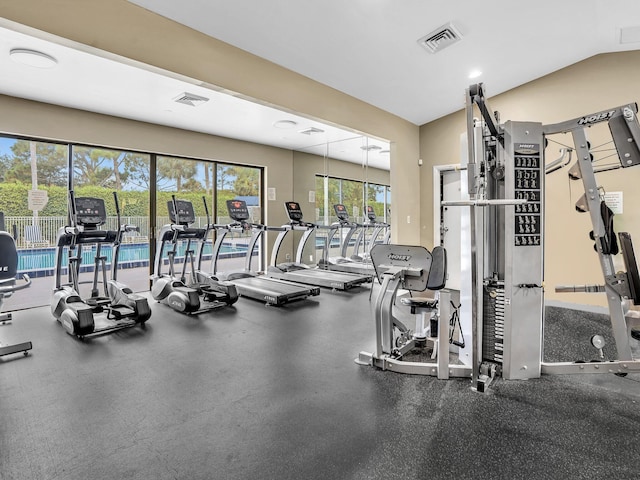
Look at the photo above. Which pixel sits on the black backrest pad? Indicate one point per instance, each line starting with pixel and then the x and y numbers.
pixel 608 242
pixel 8 256
pixel 631 266
pixel 438 272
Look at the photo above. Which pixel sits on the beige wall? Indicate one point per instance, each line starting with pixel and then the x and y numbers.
pixel 592 85
pixel 125 29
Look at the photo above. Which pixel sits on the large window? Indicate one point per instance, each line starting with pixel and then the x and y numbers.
pixel 99 172
pixel 194 181
pixel 34 196
pixel 33 203
pixel 239 182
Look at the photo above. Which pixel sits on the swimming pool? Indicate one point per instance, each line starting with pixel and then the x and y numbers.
pixel 41 262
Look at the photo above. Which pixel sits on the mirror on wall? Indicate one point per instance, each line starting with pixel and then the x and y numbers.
pixel 354 172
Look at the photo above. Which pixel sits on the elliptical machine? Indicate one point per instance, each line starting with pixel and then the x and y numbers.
pixel 118 307
pixel 194 291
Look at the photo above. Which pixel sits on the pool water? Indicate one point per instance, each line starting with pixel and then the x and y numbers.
pixel 42 261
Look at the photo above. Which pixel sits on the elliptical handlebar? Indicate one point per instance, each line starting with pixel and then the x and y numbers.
pixel 175 209
pixel 73 213
pixel 117 203
pixel 206 210
pixel 14 288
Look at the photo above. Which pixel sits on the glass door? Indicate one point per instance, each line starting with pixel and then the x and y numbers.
pixel 32 208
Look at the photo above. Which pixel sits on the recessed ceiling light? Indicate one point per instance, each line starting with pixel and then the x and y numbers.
pixel 284 124
pixel 475 73
pixel 33 58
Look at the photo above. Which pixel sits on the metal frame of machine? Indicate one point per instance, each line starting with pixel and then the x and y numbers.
pixel 415 269
pixel 506 173
pixel 506 186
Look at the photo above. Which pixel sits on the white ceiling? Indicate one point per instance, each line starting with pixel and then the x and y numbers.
pixel 89 79
pixel 368 48
pixel 365 48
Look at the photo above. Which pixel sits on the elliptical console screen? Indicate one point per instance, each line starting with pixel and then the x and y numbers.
pixel 90 212
pixel 341 212
pixel 186 214
pixel 293 211
pixel 238 210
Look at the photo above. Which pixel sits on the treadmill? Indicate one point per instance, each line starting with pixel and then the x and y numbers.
pixel 361 240
pixel 248 283
pixel 341 263
pixel 300 272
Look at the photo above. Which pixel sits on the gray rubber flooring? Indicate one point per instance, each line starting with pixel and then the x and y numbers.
pixel 256 392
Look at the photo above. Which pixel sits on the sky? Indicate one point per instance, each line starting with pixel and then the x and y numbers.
pixel 5 145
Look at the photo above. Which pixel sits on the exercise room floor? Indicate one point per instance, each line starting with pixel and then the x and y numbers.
pixel 257 392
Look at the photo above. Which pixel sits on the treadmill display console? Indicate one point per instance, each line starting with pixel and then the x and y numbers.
pixel 90 212
pixel 341 212
pixel 186 214
pixel 371 214
pixel 238 210
pixel 294 212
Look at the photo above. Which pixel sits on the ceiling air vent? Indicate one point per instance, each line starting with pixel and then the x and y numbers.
pixel 368 148
pixel 440 38
pixel 311 131
pixel 190 99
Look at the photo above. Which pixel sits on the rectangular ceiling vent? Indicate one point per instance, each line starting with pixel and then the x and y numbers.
pixel 440 38
pixel 368 148
pixel 190 99
pixel 311 131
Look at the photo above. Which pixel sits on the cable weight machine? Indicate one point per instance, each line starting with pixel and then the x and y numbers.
pixel 506 186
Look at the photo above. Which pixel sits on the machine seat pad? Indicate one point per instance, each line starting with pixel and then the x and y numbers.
pixel 420 302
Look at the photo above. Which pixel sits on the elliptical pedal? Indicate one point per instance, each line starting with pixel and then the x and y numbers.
pixel 120 312
pixel 97 301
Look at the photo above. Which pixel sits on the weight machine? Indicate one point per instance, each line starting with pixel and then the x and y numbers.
pixel 506 186
pixel 9 285
pixel 506 182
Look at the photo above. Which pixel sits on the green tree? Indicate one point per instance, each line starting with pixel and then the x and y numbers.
pixel 51 160
pixel 223 177
pixel 137 167
pixel 247 181
pixel 176 169
pixel 93 166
